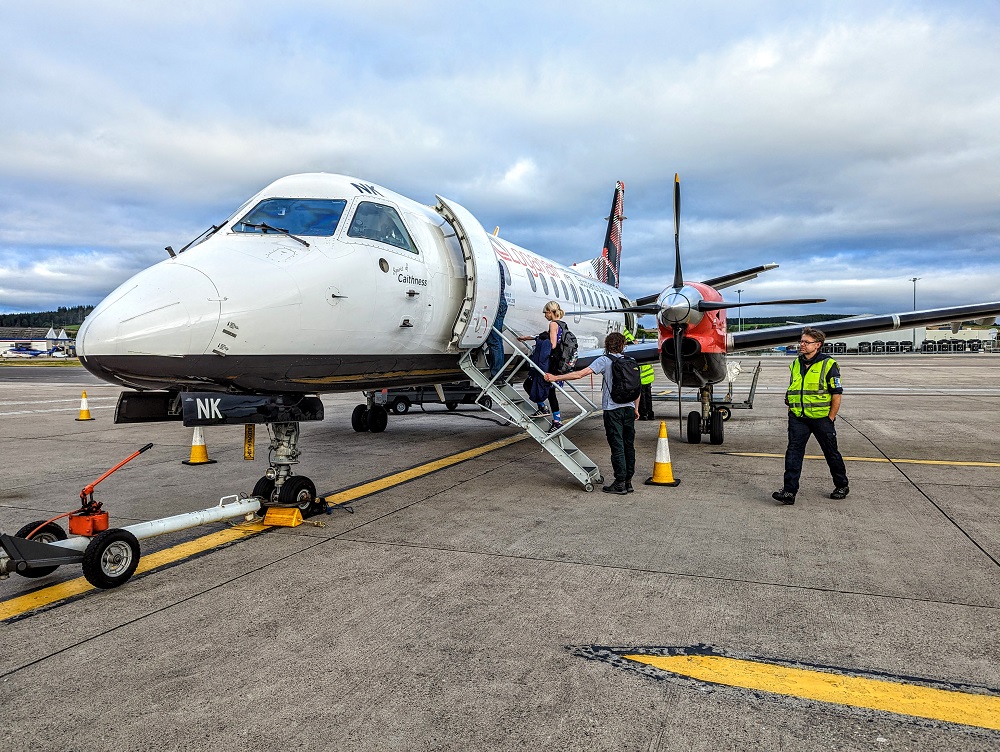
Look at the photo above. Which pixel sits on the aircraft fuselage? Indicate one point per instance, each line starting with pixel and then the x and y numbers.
pixel 367 289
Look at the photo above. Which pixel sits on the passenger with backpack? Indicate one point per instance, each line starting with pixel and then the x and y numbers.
pixel 620 402
pixel 549 356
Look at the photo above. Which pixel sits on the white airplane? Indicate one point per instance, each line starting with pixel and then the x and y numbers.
pixel 326 283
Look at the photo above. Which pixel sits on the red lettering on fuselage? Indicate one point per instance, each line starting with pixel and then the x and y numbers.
pixel 519 256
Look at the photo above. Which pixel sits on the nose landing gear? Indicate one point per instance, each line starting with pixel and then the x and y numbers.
pixel 278 487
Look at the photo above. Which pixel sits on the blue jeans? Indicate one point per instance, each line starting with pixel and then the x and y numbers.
pixel 494 343
pixel 799 431
pixel 619 427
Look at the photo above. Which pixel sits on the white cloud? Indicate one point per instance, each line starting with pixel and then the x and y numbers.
pixel 843 135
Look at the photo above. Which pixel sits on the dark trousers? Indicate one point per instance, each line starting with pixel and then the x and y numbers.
pixel 554 398
pixel 825 431
pixel 494 342
pixel 619 426
pixel 646 402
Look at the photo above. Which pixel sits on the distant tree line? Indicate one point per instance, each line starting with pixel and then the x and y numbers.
pixel 61 317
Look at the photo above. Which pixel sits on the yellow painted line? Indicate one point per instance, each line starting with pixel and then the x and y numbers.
pixel 366 489
pixel 877 694
pixel 63 590
pixel 956 463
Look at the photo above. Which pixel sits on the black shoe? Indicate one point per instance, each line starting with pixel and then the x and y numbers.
pixel 840 493
pixel 785 497
pixel 618 487
pixel 556 425
pixel 628 487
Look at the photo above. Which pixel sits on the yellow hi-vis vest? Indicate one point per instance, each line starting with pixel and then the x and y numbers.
pixel 646 374
pixel 808 395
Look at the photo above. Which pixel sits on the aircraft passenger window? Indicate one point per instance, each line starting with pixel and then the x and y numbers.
pixel 380 223
pixel 531 281
pixel 555 288
pixel 507 279
pixel 565 290
pixel 298 216
pixel 572 289
pixel 545 285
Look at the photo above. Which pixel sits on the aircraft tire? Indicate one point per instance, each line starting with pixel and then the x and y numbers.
pixel 486 402
pixel 264 490
pixel 694 427
pixel 400 406
pixel 359 418
pixel 726 413
pixel 48 534
pixel 111 558
pixel 378 419
pixel 716 431
pixel 451 405
pixel 300 492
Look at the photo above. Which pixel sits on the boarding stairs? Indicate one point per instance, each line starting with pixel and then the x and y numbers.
pixel 518 409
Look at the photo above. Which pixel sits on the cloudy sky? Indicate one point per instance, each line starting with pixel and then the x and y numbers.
pixel 856 144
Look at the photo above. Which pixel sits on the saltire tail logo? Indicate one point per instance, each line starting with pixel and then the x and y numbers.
pixel 608 264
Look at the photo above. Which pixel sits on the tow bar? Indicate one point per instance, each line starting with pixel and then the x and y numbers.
pixel 109 555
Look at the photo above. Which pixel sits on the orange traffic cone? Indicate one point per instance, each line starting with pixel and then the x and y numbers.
pixel 199 452
pixel 84 408
pixel 663 472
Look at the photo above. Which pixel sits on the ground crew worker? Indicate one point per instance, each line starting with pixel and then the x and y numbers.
pixel 646 378
pixel 813 399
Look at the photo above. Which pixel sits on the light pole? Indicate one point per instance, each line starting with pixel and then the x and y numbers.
pixel 739 309
pixel 914 334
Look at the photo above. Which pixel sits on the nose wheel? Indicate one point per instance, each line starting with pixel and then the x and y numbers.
pixel 279 487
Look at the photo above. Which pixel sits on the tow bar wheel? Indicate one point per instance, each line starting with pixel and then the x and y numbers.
pixel 111 558
pixel 50 533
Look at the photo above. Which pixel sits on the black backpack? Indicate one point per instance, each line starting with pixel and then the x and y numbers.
pixel 563 358
pixel 625 382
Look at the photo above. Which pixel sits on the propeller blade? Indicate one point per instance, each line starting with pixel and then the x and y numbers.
pixel 652 309
pixel 678 274
pixel 678 330
pixel 707 305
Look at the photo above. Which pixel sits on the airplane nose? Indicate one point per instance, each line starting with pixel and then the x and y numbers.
pixel 169 310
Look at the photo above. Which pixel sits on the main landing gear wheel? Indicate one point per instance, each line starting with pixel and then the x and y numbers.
pixel 359 418
pixel 111 558
pixel 299 491
pixel 451 405
pixel 48 534
pixel 486 402
pixel 715 433
pixel 726 413
pixel 400 406
pixel 694 427
pixel 378 419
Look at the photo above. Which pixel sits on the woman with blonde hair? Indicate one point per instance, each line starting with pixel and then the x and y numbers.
pixel 554 314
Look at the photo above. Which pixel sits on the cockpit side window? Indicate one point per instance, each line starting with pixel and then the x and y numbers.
pixel 381 223
pixel 298 216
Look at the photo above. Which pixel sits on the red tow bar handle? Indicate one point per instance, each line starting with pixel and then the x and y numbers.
pixel 89 490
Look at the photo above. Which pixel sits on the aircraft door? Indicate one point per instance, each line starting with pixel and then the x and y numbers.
pixel 482 285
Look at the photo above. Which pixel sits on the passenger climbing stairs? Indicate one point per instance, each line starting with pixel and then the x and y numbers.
pixel 518 409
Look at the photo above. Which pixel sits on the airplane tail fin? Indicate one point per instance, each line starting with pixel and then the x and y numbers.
pixel 610 260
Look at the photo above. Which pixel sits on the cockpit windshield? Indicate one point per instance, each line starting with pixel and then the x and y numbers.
pixel 296 216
